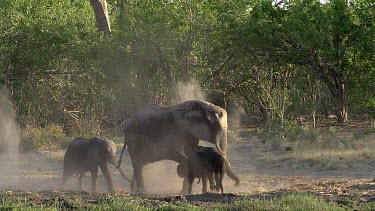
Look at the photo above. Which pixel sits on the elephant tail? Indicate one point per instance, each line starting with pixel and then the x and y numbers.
pixel 121 172
pixel 231 174
pixel 120 159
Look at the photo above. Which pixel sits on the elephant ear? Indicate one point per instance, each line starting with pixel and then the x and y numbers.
pixel 195 116
pixel 195 122
pixel 181 171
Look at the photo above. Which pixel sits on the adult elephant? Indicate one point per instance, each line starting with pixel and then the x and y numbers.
pixel 156 133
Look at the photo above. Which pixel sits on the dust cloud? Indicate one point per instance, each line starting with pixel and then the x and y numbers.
pixel 9 139
pixel 189 90
pixel 161 178
pixel 35 171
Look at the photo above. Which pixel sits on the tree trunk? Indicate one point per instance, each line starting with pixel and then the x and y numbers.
pixel 337 86
pixel 121 18
pixel 101 15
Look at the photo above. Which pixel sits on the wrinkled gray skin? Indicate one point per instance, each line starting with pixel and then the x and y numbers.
pixel 86 154
pixel 207 163
pixel 156 133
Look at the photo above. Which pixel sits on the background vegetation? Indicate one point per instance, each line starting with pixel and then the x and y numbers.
pixel 282 61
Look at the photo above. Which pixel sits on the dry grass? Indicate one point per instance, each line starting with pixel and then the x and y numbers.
pixel 329 150
pixel 358 149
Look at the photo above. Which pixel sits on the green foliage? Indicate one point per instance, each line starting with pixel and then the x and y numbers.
pixel 274 135
pixel 46 60
pixel 313 134
pixel 111 202
pixel 305 202
pixel 309 38
pixel 364 132
pixel 286 202
pixel 52 137
pixel 278 62
pixel 296 134
pixel 178 208
pixel 366 206
pixel 84 128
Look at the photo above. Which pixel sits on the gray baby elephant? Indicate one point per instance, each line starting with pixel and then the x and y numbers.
pixel 86 154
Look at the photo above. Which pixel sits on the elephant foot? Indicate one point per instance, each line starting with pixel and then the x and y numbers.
pixel 183 192
pixel 141 193
pixel 111 190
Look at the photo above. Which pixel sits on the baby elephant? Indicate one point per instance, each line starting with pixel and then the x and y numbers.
pixel 208 164
pixel 86 154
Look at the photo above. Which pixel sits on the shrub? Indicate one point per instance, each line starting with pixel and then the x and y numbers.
pixel 296 133
pixel 85 128
pixel 313 134
pixel 275 136
pixel 52 137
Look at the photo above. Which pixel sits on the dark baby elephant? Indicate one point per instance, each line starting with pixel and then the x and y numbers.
pixel 207 163
pixel 86 154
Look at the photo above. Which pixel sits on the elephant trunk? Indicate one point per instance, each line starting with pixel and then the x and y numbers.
pixel 230 173
pixel 223 134
pixel 223 140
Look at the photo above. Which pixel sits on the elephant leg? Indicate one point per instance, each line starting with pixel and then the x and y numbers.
pixel 107 176
pixel 221 177
pixel 190 180
pixel 94 176
pixel 133 184
pixel 219 182
pixel 182 160
pixel 66 176
pixel 186 185
pixel 211 180
pixel 204 184
pixel 80 178
pixel 138 171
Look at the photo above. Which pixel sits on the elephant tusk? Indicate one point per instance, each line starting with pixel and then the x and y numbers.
pixel 219 149
pixel 223 154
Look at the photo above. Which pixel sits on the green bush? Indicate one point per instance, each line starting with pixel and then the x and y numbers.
pixel 296 133
pixel 364 132
pixel 52 137
pixel 85 128
pixel 274 136
pixel 313 134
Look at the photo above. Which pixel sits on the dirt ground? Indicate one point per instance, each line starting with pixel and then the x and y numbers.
pixel 41 171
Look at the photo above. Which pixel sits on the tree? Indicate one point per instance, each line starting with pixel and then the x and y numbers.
pixel 306 34
pixel 101 15
pixel 45 49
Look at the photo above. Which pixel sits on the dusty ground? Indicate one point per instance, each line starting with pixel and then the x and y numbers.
pixel 41 171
